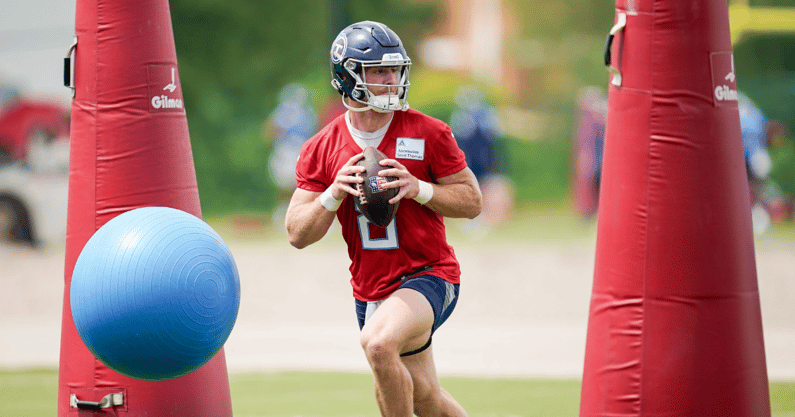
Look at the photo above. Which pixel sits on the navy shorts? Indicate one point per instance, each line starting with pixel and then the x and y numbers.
pixel 441 294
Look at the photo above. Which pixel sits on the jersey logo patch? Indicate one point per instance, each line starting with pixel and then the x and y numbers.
pixel 376 184
pixel 410 148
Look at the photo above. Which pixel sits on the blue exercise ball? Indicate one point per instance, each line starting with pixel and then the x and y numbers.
pixel 155 293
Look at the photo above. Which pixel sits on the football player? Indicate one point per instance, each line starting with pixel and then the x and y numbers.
pixel 405 276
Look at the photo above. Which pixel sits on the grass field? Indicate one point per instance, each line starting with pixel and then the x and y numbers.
pixel 32 393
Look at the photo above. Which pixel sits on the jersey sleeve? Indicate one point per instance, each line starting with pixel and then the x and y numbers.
pixel 448 157
pixel 309 172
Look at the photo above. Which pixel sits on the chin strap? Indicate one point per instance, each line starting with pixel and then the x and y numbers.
pixel 371 107
pixel 351 108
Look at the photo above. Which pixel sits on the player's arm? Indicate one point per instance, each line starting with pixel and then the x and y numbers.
pixel 455 195
pixel 308 219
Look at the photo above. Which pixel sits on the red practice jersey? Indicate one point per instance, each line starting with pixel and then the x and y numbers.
pixel 416 237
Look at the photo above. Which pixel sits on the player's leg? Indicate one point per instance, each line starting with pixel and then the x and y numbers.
pixel 430 399
pixel 401 324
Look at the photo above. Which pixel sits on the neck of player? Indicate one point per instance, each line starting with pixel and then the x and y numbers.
pixel 369 120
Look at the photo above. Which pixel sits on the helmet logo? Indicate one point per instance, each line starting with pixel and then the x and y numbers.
pixel 393 57
pixel 338 48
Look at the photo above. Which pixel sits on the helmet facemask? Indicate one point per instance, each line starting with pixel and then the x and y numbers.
pixel 361 91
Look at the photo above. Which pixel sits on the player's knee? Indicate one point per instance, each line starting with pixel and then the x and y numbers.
pixel 377 350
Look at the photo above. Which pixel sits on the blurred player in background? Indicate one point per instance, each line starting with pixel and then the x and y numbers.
pixel 289 126
pixel 769 203
pixel 759 134
pixel 588 148
pixel 753 125
pixel 478 131
pixel 405 277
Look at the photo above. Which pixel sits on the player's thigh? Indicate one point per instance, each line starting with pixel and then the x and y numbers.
pixel 405 319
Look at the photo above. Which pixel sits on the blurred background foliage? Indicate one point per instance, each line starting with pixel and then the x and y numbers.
pixel 235 56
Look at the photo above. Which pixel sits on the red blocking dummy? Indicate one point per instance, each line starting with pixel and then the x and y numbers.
pixel 675 325
pixel 130 149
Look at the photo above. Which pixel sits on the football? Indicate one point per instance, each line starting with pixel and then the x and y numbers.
pixel 374 201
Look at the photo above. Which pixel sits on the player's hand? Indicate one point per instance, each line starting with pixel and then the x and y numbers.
pixel 347 178
pixel 409 185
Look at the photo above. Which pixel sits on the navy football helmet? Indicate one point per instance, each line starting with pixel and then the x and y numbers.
pixel 368 44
